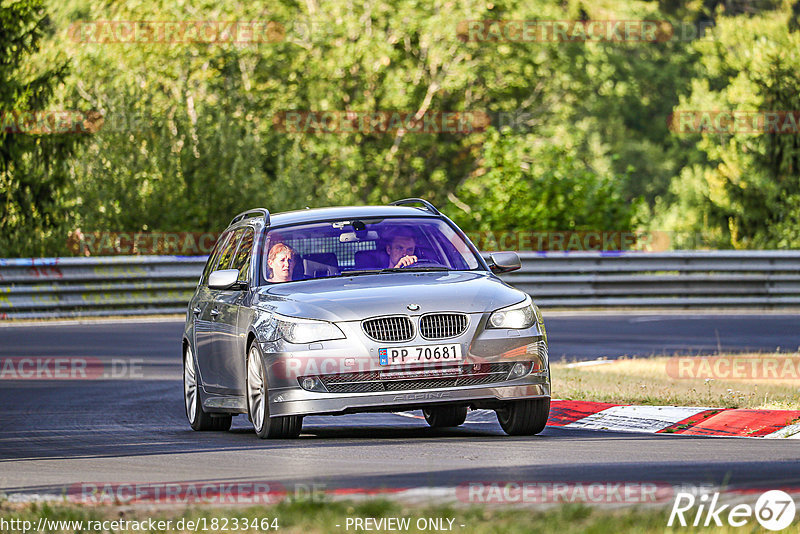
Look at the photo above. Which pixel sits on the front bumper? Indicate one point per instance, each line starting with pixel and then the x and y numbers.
pixel 297 401
pixel 286 364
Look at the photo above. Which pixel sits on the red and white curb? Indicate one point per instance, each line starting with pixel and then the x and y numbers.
pixel 692 421
pixel 731 422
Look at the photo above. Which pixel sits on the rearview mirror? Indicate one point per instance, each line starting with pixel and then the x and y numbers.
pixel 360 235
pixel 504 262
pixel 224 279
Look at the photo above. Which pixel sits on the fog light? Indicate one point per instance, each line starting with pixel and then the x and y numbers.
pixel 309 383
pixel 312 383
pixel 518 370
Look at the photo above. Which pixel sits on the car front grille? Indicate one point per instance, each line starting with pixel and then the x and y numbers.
pixel 442 325
pixel 392 329
pixel 375 381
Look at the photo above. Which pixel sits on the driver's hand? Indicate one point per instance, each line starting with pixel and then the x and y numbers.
pixel 405 261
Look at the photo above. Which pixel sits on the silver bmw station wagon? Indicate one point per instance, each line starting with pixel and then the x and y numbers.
pixel 360 309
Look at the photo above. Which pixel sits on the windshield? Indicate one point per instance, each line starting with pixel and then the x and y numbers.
pixel 362 247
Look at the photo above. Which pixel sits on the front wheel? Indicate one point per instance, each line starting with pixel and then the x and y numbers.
pixel 198 419
pixel 445 416
pixel 258 402
pixel 525 417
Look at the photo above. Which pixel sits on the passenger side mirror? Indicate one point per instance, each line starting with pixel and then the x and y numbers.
pixel 226 279
pixel 504 262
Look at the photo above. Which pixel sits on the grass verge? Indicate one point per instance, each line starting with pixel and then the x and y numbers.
pixel 680 382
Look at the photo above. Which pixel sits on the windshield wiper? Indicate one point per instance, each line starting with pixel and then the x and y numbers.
pixel 414 269
pixel 358 273
pixel 391 270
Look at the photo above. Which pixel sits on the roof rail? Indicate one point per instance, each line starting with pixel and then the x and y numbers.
pixel 428 206
pixel 255 212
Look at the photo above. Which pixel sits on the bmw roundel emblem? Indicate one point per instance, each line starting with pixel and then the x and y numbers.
pixel 413 307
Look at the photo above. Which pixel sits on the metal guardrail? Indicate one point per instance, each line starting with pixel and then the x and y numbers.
pixel 681 279
pixel 101 286
pixel 147 285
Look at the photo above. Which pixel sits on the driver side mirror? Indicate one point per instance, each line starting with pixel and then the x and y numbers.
pixel 226 279
pixel 504 262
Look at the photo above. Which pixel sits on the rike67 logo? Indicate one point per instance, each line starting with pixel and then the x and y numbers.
pixel 774 510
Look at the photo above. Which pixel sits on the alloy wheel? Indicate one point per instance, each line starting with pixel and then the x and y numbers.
pixel 255 388
pixel 189 384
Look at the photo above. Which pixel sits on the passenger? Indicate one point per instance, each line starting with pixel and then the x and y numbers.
pixel 281 261
pixel 401 248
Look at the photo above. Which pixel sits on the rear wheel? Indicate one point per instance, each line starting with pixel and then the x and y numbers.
pixel 525 417
pixel 198 419
pixel 258 402
pixel 445 416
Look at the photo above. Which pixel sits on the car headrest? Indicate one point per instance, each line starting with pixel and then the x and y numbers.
pixel 327 258
pixel 371 259
pixel 321 264
pixel 299 272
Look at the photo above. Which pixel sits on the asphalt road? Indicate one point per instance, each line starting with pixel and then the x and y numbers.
pixel 54 434
pixel 572 336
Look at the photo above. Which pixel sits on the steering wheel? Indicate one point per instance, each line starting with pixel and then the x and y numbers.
pixel 423 261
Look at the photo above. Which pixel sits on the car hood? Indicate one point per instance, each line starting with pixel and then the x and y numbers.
pixel 358 297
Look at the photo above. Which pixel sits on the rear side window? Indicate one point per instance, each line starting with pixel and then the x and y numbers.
pixel 242 260
pixel 226 257
pixel 214 256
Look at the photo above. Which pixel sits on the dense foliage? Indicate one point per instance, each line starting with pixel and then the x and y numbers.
pixel 744 191
pixel 579 136
pixel 33 167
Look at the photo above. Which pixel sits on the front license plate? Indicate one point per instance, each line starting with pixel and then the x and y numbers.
pixel 422 354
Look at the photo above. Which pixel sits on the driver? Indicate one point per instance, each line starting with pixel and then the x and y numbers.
pixel 281 261
pixel 401 248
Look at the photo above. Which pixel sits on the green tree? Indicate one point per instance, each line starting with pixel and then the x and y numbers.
pixel 524 184
pixel 745 190
pixel 189 138
pixel 33 170
pixel 210 147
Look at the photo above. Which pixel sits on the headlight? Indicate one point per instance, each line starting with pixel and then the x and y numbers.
pixel 540 320
pixel 538 313
pixel 518 316
pixel 296 330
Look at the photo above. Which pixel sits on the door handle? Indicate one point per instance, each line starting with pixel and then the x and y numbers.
pixel 214 313
pixel 196 311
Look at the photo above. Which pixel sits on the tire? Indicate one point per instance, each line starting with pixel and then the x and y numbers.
pixel 445 416
pixel 198 418
pixel 525 417
pixel 286 427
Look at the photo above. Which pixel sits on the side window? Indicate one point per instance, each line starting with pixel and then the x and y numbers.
pixel 226 257
pixel 214 257
pixel 242 260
